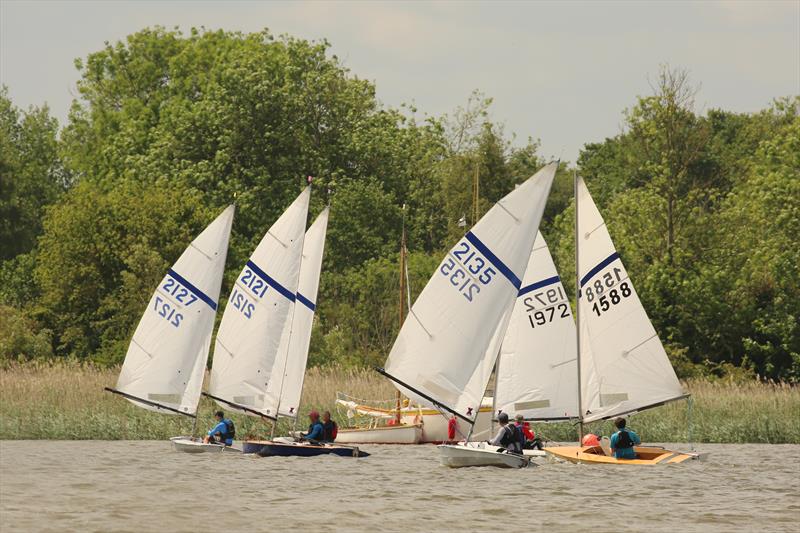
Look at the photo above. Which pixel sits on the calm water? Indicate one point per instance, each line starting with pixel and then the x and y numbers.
pixel 145 486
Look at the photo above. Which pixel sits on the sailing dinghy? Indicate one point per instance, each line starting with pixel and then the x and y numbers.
pixel 536 368
pixel 258 312
pixel 166 360
pixel 622 366
pixel 447 347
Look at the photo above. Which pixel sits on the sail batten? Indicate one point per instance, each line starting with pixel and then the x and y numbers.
pixel 165 362
pixel 447 350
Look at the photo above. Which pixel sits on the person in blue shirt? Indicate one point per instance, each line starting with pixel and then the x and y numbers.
pixel 222 433
pixel 315 430
pixel 623 441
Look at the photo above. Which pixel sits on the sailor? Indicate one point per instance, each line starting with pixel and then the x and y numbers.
pixel 590 439
pixel 623 441
pixel 527 438
pixel 507 435
pixel 329 428
pixel 315 429
pixel 223 432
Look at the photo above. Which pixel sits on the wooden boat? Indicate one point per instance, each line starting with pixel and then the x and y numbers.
pixel 645 455
pixel 195 445
pixel 283 447
pixel 398 434
pixel 479 454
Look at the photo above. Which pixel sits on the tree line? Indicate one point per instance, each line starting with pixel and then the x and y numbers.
pixel 169 128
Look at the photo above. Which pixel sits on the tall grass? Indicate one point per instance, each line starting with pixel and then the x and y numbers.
pixel 66 401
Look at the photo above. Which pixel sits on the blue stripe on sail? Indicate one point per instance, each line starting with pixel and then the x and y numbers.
pixel 604 263
pixel 538 285
pixel 197 292
pixel 493 259
pixel 305 301
pixel 271 282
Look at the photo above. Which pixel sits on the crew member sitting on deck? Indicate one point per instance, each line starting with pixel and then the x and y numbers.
pixel 222 433
pixel 329 428
pixel 527 438
pixel 315 429
pixel 507 435
pixel 623 441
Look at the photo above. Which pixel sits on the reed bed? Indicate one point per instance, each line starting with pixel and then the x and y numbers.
pixel 65 400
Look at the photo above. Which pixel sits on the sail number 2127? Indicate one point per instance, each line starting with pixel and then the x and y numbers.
pixel 467 270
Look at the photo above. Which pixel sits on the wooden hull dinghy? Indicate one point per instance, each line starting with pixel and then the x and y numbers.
pixel 195 445
pixel 646 455
pixel 399 434
pixel 479 454
pixel 288 448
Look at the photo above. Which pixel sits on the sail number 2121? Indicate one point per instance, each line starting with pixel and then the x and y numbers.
pixel 467 270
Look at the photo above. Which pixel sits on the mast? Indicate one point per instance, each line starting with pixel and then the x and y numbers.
pixel 578 312
pixel 401 301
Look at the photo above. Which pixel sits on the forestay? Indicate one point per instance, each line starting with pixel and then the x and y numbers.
pixel 166 359
pixel 259 306
pixel 448 343
pixel 624 367
pixel 283 395
pixel 537 374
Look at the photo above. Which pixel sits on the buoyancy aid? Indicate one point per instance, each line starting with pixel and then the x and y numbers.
pixel 230 430
pixel 509 436
pixel 624 439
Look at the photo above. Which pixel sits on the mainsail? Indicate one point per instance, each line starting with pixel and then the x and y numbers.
pixel 448 344
pixel 536 374
pixel 166 359
pixel 624 367
pixel 283 395
pixel 259 306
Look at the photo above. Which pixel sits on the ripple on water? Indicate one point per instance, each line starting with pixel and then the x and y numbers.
pixel 117 486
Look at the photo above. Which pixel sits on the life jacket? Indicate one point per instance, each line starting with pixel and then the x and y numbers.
pixel 624 439
pixel 335 430
pixel 329 431
pixel 521 438
pixel 509 435
pixel 230 430
pixel 452 425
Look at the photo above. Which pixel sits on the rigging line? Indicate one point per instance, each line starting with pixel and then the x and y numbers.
pixel 142 348
pixel 589 233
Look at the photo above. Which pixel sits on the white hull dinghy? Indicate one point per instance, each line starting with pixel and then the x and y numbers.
pixel 479 454
pixel 433 362
pixel 195 445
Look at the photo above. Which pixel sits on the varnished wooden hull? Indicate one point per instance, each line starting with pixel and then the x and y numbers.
pixel 646 455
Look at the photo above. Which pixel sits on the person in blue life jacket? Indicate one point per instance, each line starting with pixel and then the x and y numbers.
pixel 223 432
pixel 623 441
pixel 316 430
pixel 507 435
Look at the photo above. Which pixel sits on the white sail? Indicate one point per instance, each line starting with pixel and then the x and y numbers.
pixel 283 395
pixel 167 355
pixel 537 371
pixel 624 367
pixel 449 342
pixel 259 306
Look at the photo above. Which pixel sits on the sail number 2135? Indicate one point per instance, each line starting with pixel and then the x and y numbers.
pixel 467 270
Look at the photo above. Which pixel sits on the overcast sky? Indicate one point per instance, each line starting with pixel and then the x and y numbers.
pixel 562 72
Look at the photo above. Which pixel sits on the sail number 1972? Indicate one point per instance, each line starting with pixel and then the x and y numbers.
pixel 467 270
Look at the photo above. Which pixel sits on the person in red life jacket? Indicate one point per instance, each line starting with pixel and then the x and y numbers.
pixel 452 427
pixel 590 439
pixel 329 428
pixel 528 438
pixel 315 429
